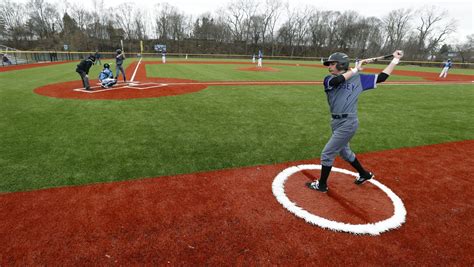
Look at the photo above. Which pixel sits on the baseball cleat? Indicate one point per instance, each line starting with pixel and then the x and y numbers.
pixel 360 180
pixel 316 186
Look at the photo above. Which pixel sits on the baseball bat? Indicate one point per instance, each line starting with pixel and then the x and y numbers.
pixel 121 43
pixel 383 57
pixel 375 59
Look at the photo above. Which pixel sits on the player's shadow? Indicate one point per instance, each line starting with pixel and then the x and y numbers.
pixel 348 205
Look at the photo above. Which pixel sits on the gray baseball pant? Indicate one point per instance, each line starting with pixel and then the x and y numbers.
pixel 342 132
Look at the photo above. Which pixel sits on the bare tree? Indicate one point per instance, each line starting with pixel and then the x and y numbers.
pixel 163 21
pixel 287 32
pixel 43 19
pixel 332 19
pixel 397 27
pixel 239 14
pixel 256 29
pixel 249 8
pixel 302 28
pixel 12 22
pixel 466 50
pixel 271 14
pixel 81 16
pixel 124 18
pixel 431 30
pixel 347 30
pixel 368 37
pixel 318 30
pixel 138 25
pixel 208 28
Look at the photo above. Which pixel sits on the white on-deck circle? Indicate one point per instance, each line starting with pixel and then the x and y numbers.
pixel 397 219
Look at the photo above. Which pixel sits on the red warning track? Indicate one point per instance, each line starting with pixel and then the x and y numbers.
pixel 157 87
pixel 231 217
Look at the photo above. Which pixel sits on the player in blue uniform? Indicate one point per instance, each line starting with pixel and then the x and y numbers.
pixel 343 88
pixel 447 65
pixel 119 58
pixel 106 77
pixel 97 57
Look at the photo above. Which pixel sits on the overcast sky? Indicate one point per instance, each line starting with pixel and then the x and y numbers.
pixel 461 10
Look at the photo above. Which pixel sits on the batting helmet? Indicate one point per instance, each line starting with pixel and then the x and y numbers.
pixel 106 66
pixel 119 51
pixel 92 57
pixel 341 59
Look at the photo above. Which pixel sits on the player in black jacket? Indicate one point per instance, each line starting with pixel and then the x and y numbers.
pixel 83 70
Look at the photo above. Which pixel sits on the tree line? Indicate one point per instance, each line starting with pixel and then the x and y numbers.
pixel 240 27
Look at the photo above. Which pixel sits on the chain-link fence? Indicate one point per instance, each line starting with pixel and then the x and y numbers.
pixel 11 56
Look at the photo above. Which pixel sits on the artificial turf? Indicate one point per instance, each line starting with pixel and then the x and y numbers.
pixel 48 142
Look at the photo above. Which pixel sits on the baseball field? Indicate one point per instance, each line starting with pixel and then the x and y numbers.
pixel 179 166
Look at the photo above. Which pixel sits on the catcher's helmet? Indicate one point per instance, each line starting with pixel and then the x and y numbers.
pixel 341 59
pixel 106 66
pixel 119 51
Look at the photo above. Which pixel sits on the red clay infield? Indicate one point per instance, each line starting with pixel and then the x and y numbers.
pixel 148 87
pixel 230 217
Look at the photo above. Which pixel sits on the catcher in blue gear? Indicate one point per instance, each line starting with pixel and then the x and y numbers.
pixel 106 77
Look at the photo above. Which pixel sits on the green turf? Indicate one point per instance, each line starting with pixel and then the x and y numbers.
pixel 224 72
pixel 48 142
pixel 436 67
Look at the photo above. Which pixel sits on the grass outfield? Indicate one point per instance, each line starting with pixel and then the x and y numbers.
pixel 222 72
pixel 437 69
pixel 48 142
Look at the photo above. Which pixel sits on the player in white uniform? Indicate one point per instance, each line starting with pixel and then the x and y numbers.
pixel 163 57
pixel 260 59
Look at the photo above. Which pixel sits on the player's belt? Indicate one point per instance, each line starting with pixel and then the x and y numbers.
pixel 339 116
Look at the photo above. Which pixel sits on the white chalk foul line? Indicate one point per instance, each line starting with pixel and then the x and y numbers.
pixel 136 68
pixel 398 218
